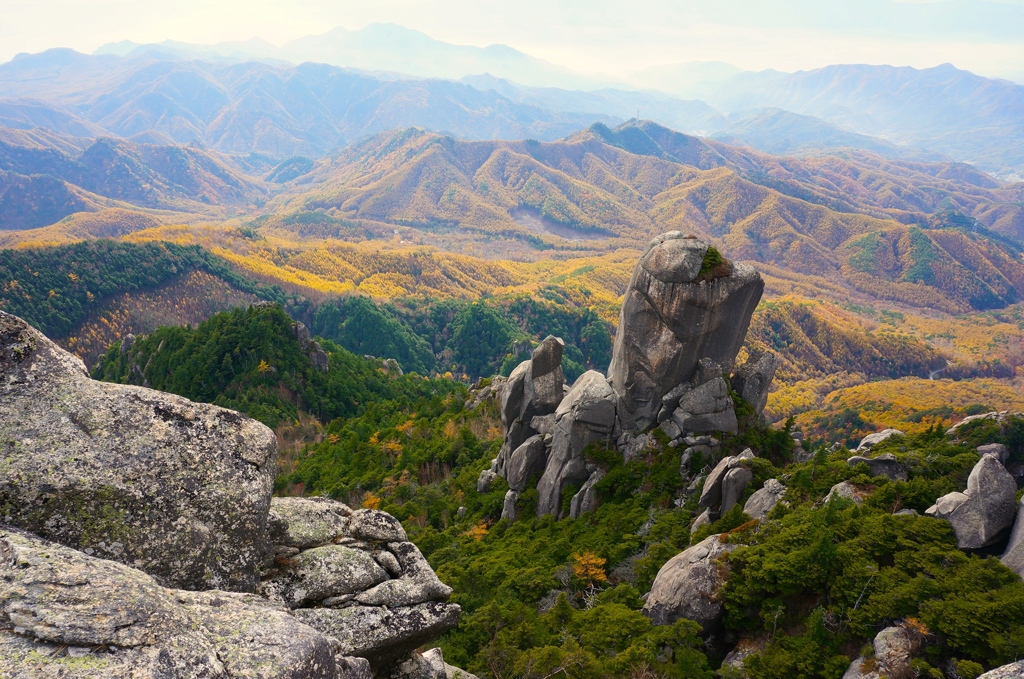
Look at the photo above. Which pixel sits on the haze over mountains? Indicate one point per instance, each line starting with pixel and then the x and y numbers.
pixel 253 97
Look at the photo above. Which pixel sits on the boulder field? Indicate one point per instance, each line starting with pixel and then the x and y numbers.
pixel 138 537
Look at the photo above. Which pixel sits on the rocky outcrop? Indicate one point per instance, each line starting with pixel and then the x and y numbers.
pixel 846 491
pixel 585 415
pixel 764 500
pixel 311 348
pixel 671 319
pixel 894 648
pixel 997 449
pixel 353 575
pixel 121 622
pixel 753 379
pixel 177 489
pixel 1013 557
pixel 443 670
pixel 884 465
pixel 687 586
pixel 872 440
pixel 1011 671
pixel 725 484
pixel 171 492
pixel 982 514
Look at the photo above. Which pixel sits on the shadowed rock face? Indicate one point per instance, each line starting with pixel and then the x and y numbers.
pixel 981 515
pixel 177 489
pixel 687 586
pixel 669 322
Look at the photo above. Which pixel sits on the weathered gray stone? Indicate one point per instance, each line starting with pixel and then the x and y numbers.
pixel 846 491
pixel 988 510
pixel 702 520
pixel 542 388
pixel 350 667
pixel 526 463
pixel 310 521
pixel 872 440
pixel 585 415
pixel 436 659
pixel 508 508
pixel 322 572
pixel 1011 671
pixel 543 424
pixel 997 449
pixel 711 495
pixel 687 586
pixel 484 481
pixel 382 635
pixel 764 500
pixel 585 500
pixel 753 380
pixel 734 483
pixel 667 325
pixel 671 429
pixel 56 597
pixel 1013 557
pixel 177 489
pixel 370 524
pixel 418 583
pixel 510 399
pixel 894 648
pixel 720 421
pixel 706 398
pixel 883 465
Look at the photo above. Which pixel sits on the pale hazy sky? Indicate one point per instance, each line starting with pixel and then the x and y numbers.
pixel 609 36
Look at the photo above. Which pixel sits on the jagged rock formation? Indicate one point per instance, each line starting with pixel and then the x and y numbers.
pixel 671 319
pixel 998 449
pixel 177 489
pixel 894 648
pixel 883 465
pixel 687 586
pixel 982 514
pixel 1013 557
pixel 680 325
pixel 314 351
pixel 175 496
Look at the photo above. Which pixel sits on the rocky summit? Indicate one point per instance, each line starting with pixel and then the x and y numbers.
pixel 683 321
pixel 126 514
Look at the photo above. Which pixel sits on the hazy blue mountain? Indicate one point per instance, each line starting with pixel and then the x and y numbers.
pixel 277 110
pixel 973 119
pixel 783 133
pixel 381 47
pixel 686 79
pixel 692 116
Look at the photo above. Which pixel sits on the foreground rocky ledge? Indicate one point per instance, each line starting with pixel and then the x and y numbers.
pixel 125 513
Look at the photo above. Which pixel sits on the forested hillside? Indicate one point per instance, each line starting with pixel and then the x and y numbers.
pixel 810 588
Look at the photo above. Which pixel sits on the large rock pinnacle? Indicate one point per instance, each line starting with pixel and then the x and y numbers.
pixel 672 318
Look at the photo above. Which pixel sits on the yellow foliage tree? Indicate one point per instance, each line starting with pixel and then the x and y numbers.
pixel 589 567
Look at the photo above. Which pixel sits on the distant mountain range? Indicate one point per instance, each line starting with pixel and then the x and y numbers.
pixel 249 97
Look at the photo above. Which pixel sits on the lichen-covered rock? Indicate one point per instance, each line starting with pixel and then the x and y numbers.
pixel 687 586
pixel 370 524
pixel 379 634
pixel 894 648
pixel 753 379
pixel 417 584
pixel 764 500
pixel 322 572
pixel 1011 671
pixel 310 521
pixel 669 321
pixel 883 465
pixel 57 598
pixel 177 489
pixel 446 671
pixel 585 415
pixel 712 494
pixel 706 407
pixel 872 440
pixel 985 511
pixel 1013 557
pixel 484 481
pixel 508 507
